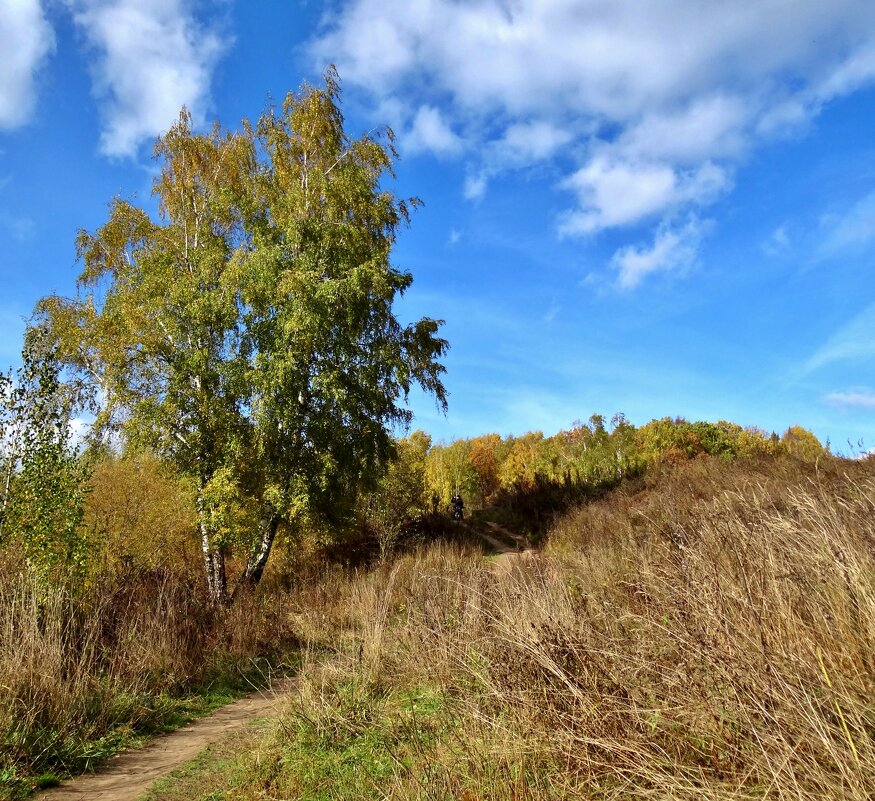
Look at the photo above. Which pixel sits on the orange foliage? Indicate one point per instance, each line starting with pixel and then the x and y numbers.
pixel 484 456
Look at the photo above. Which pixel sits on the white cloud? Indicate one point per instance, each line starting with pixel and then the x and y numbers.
pixel 852 230
pixel 521 145
pixel 552 313
pixel 672 249
pixel 26 40
pixel 655 103
pixel 151 59
pixel 616 60
pixel 524 143
pixel 778 244
pixel 854 341
pixel 475 185
pixel 429 132
pixel 846 75
pixel 613 193
pixel 20 228
pixel 708 127
pixel 855 399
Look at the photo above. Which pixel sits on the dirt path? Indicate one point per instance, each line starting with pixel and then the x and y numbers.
pixel 128 776
pixel 518 539
pixel 510 548
pixel 493 543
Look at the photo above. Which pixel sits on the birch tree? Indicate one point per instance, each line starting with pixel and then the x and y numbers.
pixel 42 477
pixel 247 333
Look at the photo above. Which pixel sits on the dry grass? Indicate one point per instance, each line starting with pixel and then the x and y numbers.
pixel 703 634
pixel 80 674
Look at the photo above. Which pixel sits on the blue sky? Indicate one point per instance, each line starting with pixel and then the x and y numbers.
pixel 660 208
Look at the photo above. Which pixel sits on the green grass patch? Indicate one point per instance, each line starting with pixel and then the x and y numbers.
pixel 351 742
pixel 360 737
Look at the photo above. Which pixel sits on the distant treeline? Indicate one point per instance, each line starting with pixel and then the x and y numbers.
pixel 131 510
pixel 590 453
pixel 533 476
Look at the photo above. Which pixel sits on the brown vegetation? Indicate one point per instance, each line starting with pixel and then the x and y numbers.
pixel 706 632
pixel 81 676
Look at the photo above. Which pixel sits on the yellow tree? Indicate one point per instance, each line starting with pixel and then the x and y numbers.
pixel 802 444
pixel 524 460
pixel 485 457
pixel 449 470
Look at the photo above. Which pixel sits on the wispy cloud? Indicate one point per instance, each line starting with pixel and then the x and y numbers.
pixel 552 312
pixel 854 399
pixel 26 41
pixel 150 59
pixel 852 230
pixel 476 184
pixel 20 228
pixel 522 145
pixel 611 194
pixel 673 248
pixel 430 132
pixel 854 341
pixel 529 81
pixel 778 244
pixel 529 141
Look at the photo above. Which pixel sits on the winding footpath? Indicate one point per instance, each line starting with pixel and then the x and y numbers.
pixel 507 546
pixel 130 775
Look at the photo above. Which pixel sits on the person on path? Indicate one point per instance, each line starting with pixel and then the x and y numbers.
pixel 458 506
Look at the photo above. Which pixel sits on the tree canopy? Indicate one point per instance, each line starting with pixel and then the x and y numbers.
pixel 247 332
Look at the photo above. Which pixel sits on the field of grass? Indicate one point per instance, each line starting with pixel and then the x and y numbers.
pixel 83 677
pixel 705 632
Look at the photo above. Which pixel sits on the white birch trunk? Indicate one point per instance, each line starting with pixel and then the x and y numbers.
pixel 267 528
pixel 214 563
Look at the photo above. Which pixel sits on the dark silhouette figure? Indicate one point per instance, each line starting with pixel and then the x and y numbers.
pixel 458 506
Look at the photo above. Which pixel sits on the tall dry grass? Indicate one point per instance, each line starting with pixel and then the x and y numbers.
pixel 705 633
pixel 81 670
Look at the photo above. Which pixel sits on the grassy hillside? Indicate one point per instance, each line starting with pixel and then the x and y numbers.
pixel 705 631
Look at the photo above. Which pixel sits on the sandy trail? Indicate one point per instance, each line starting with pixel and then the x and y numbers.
pixel 129 775
pixel 492 543
pixel 521 542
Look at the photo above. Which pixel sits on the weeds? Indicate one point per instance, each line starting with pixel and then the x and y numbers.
pixel 704 632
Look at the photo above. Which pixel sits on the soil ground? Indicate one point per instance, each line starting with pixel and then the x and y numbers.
pixel 505 546
pixel 130 775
